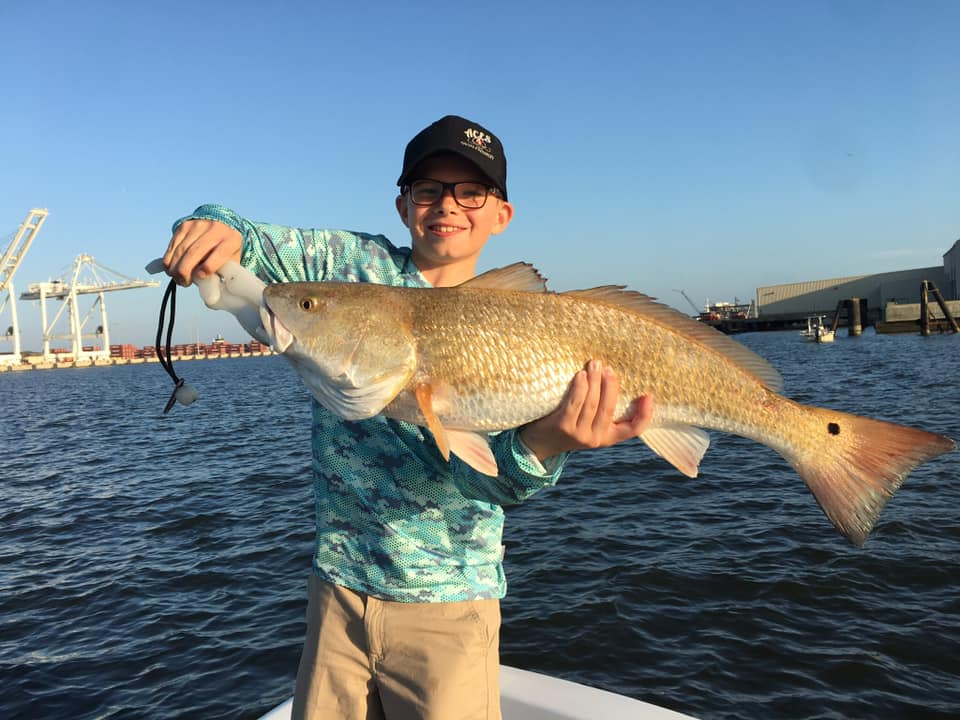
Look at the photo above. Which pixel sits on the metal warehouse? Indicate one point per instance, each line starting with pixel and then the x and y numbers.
pixel 951 268
pixel 822 297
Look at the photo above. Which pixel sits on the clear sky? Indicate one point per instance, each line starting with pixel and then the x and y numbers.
pixel 708 146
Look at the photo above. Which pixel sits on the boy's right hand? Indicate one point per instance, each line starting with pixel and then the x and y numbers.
pixel 199 248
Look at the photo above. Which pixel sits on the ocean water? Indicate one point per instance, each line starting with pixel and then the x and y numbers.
pixel 155 566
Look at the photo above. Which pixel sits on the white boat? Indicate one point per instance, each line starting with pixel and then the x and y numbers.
pixel 817 330
pixel 526 695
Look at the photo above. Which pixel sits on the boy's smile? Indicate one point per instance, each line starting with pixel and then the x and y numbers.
pixel 447 238
pixel 445 229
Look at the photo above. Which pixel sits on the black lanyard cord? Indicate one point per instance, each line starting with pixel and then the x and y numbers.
pixel 163 353
pixel 182 392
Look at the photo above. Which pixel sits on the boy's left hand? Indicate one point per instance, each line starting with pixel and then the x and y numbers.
pixel 584 418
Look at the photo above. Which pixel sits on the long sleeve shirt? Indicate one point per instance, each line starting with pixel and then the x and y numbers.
pixel 394 519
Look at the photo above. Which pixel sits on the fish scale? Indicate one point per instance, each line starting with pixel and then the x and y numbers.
pixel 481 365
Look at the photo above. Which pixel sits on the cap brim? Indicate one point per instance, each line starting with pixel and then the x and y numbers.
pixel 405 178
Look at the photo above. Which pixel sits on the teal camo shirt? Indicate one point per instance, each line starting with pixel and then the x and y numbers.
pixel 394 519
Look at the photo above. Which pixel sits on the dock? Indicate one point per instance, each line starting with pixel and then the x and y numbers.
pixel 732 326
pixel 932 315
pixel 62 359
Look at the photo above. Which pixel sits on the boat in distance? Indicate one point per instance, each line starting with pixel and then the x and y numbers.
pixel 817 330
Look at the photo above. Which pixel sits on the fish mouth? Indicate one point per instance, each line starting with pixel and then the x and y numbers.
pixel 280 336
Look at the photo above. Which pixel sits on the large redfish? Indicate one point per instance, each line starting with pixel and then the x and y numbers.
pixel 500 350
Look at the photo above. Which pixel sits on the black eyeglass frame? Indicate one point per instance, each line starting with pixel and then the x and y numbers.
pixel 452 187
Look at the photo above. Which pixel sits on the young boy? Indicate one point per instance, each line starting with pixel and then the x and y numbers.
pixel 403 614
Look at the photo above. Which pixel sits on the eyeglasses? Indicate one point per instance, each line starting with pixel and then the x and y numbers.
pixel 469 195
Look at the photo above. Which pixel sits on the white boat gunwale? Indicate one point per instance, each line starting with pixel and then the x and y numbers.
pixel 526 695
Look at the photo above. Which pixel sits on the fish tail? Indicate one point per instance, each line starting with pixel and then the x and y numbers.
pixel 857 465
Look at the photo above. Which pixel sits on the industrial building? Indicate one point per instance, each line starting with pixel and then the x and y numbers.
pixel 821 297
pixel 898 301
pixel 894 293
pixel 951 268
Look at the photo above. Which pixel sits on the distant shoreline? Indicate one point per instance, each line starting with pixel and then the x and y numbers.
pixel 29 364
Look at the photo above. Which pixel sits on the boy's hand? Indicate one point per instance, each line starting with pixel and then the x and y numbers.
pixel 201 247
pixel 584 418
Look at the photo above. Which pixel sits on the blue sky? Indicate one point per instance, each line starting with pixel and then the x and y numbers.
pixel 708 146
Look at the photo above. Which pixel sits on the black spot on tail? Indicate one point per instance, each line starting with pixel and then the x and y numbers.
pixel 833 428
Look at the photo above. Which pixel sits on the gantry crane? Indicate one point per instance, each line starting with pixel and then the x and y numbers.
pixel 87 277
pixel 12 257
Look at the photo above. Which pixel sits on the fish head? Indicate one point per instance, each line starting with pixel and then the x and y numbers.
pixel 351 346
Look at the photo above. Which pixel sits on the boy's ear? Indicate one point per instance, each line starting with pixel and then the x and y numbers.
pixel 402 208
pixel 504 216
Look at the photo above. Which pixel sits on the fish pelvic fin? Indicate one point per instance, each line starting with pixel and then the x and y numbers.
pixel 518 276
pixel 683 446
pixel 473 448
pixel 858 465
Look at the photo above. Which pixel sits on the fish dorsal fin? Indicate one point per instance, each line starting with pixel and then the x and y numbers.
pixel 519 276
pixel 702 333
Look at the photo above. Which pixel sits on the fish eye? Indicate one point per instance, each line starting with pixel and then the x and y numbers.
pixel 308 304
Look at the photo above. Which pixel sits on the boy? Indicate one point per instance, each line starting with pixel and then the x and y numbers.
pixel 403 614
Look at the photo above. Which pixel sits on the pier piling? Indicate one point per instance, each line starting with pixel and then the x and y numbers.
pixel 854 324
pixel 926 288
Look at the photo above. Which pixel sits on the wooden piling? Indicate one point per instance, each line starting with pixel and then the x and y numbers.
pixel 927 323
pixel 943 306
pixel 854 325
pixel 836 316
pixel 924 309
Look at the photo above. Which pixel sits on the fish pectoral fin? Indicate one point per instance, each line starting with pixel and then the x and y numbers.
pixel 474 449
pixel 682 446
pixel 424 394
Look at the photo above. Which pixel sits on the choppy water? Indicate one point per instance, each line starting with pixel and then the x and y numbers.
pixel 156 566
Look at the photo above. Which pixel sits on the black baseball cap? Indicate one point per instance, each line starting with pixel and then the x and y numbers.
pixel 463 137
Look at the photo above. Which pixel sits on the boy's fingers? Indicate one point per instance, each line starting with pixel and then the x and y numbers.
pixel 186 235
pixel 202 247
pixel 591 400
pixel 177 259
pixel 644 414
pixel 607 402
pixel 640 421
pixel 221 253
pixel 576 394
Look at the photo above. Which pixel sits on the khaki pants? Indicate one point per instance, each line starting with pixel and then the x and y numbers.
pixel 370 659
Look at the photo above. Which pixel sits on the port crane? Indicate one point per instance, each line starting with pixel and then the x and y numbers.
pixel 86 277
pixel 9 262
pixel 687 298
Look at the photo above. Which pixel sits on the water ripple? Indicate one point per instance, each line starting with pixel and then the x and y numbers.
pixel 155 566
